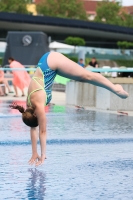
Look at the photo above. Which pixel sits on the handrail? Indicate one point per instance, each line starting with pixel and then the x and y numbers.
pixel 88 69
pixel 17 69
pixel 8 66
pixel 110 70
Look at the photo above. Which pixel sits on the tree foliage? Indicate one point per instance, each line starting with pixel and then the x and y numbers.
pixel 125 45
pixel 76 41
pixel 16 6
pixel 112 13
pixel 73 58
pixel 73 9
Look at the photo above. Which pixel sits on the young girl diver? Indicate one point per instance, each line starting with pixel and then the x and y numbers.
pixel 40 94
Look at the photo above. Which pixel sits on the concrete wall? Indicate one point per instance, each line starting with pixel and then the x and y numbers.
pixel 84 94
pixel 106 100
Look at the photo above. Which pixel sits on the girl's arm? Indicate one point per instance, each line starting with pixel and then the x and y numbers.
pixel 34 138
pixel 40 113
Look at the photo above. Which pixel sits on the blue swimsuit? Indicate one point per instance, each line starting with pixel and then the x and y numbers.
pixel 49 76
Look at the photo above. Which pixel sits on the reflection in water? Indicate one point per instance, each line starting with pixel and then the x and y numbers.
pixel 59 109
pixel 36 185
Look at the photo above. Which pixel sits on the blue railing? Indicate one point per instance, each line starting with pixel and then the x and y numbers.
pixel 110 69
pixel 89 69
pixel 17 69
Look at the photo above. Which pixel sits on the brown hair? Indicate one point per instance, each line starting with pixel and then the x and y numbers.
pixel 11 58
pixel 28 116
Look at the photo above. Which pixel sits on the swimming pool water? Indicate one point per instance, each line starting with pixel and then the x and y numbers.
pixel 89 156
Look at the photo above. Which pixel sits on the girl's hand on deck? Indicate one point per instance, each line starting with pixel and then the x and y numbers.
pixel 34 159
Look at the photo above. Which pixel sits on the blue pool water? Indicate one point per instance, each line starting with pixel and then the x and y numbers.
pixel 89 156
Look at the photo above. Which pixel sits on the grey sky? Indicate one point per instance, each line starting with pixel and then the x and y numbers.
pixel 127 2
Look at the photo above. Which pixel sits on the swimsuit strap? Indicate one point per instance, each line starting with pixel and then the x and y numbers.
pixel 35 78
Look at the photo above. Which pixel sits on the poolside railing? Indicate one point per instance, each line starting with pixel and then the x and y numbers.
pixel 129 69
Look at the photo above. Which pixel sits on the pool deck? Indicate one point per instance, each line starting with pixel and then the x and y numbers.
pixel 59 98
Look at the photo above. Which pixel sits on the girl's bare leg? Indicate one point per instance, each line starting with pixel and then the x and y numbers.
pixel 7 85
pixel 22 92
pixel 69 69
pixel 1 91
pixel 16 91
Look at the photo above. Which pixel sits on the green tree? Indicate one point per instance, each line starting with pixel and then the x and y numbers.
pixel 76 41
pixel 125 45
pixel 112 13
pixel 73 9
pixel 127 20
pixel 17 6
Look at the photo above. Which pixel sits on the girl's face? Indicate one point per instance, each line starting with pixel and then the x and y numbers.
pixel 9 61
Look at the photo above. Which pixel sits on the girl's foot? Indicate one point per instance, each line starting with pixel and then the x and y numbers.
pixel 3 95
pixel 15 96
pixel 121 92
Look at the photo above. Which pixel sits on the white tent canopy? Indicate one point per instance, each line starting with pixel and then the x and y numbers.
pixel 57 45
pixel 3 46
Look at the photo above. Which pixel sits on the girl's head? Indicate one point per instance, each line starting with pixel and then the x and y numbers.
pixel 10 59
pixel 28 115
